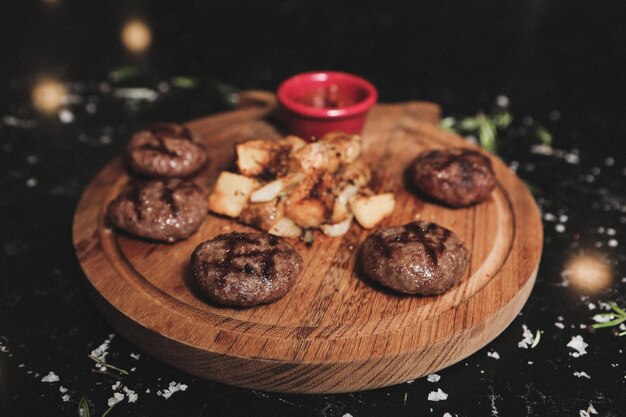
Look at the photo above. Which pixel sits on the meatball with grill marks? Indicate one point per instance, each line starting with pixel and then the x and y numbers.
pixel 417 258
pixel 160 210
pixel 457 177
pixel 245 269
pixel 165 150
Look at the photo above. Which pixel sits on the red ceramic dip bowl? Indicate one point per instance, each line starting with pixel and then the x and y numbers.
pixel 315 103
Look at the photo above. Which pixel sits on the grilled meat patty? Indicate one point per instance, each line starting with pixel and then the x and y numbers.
pixel 417 258
pixel 245 269
pixel 165 150
pixel 165 210
pixel 458 177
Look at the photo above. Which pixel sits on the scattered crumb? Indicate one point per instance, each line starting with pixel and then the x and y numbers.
pixel 577 343
pixel 494 355
pixel 438 395
pixel 116 398
pixel 582 374
pixel 51 377
pixel 171 389
pixel 527 338
pixel 132 396
pixel 433 378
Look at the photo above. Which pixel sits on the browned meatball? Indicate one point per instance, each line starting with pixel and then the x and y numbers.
pixel 161 210
pixel 165 150
pixel 458 177
pixel 245 269
pixel 417 258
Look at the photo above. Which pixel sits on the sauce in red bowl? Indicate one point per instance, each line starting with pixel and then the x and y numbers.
pixel 316 103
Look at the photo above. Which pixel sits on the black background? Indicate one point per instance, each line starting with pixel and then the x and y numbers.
pixel 560 63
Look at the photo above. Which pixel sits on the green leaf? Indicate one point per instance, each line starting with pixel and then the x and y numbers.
pixel 108 410
pixel 470 123
pixel 609 323
pixel 503 119
pixel 185 82
pixel 487 136
pixel 618 310
pixel 536 339
pixel 121 371
pixel 544 135
pixel 125 73
pixel 447 123
pixel 83 407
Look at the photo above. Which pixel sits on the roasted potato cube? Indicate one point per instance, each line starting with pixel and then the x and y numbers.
pixel 230 193
pixel 263 215
pixel 369 210
pixel 329 153
pixel 311 201
pixel 264 158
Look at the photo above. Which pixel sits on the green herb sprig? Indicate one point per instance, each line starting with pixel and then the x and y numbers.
pixel 482 125
pixel 617 317
pixel 107 365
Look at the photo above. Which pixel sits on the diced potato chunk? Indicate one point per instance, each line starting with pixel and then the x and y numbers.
pixel 311 201
pixel 230 193
pixel 263 215
pixel 369 210
pixel 261 157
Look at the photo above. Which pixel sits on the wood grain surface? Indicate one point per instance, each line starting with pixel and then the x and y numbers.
pixel 335 331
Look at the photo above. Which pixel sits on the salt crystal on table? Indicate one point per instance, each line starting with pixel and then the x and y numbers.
pixel 527 338
pixel 62 389
pixel 591 306
pixel 65 398
pixel 559 228
pixel 577 343
pixel 612 243
pixel 135 356
pixel 494 355
pixel 51 377
pixel 438 395
pixel 433 378
pixel 31 182
pixel 582 374
pixel 116 398
pixel 559 325
pixel 132 396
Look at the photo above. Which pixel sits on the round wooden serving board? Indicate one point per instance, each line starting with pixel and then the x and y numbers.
pixel 334 331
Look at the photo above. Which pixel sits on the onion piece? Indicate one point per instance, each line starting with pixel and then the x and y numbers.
pixel 273 189
pixel 337 229
pixel 286 227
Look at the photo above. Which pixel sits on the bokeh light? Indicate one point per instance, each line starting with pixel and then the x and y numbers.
pixel 136 36
pixel 48 95
pixel 588 272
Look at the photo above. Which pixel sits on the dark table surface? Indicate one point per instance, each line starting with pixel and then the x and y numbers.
pixel 558 66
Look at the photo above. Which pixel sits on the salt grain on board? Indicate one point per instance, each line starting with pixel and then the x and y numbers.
pixel 438 395
pixel 527 338
pixel 173 387
pixel 578 344
pixel 559 325
pixel 135 356
pixel 582 374
pixel 433 378
pixel 65 398
pixel 116 398
pixel 494 355
pixel 51 377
